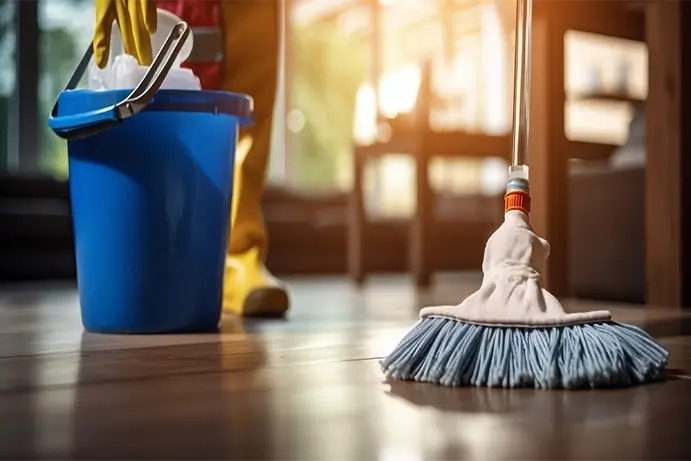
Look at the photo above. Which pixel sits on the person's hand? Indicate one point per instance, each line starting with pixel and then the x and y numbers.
pixel 136 20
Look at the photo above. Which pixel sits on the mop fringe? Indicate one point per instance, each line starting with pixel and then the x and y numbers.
pixel 449 352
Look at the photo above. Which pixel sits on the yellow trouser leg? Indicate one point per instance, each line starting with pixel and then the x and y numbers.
pixel 251 66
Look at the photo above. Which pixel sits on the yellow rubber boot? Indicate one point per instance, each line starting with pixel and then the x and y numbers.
pixel 251 66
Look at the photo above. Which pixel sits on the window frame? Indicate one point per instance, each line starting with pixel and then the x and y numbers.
pixel 23 145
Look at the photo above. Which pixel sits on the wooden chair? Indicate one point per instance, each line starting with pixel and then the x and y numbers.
pixel 422 143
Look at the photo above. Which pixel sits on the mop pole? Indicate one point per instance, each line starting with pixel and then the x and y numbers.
pixel 517 188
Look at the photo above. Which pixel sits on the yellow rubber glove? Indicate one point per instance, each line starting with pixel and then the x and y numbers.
pixel 136 20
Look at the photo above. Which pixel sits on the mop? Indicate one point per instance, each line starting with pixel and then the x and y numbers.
pixel 511 332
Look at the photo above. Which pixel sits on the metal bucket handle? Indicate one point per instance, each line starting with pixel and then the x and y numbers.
pixel 86 124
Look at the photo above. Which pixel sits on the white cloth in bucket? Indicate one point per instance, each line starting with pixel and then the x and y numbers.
pixel 511 293
pixel 124 72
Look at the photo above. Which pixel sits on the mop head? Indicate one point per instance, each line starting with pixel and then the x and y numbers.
pixel 513 333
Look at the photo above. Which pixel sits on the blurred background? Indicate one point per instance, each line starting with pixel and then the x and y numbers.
pixel 372 92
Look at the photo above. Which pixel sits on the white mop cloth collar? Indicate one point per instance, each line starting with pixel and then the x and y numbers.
pixel 511 293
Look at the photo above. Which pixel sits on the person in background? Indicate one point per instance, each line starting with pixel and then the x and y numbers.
pixel 236 48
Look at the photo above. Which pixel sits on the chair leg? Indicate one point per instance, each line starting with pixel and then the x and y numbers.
pixel 420 233
pixel 357 225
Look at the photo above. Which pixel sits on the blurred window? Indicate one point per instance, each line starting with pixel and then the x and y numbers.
pixel 65 28
pixel 8 80
pixel 599 66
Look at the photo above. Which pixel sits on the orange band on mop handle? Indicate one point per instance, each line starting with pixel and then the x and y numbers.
pixel 517 200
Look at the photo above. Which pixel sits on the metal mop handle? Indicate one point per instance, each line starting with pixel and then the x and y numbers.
pixel 521 81
pixel 517 189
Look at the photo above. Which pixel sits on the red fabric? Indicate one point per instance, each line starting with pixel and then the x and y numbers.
pixel 209 74
pixel 199 13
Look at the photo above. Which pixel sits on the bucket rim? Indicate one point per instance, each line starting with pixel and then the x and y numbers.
pixel 72 102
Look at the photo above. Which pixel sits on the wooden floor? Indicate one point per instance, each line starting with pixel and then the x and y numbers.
pixel 308 388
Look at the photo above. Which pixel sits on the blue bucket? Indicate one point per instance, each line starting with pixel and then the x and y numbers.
pixel 151 199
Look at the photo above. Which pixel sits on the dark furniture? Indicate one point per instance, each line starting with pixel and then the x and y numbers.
pixel 606 232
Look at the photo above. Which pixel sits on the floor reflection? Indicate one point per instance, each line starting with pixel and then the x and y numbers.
pixel 550 408
pixel 481 423
pixel 173 402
